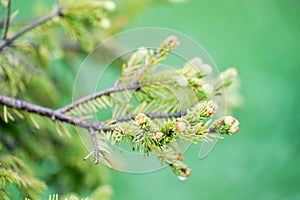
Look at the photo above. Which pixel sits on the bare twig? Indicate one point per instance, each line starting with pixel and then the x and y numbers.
pixel 95 144
pixel 50 113
pixel 7 21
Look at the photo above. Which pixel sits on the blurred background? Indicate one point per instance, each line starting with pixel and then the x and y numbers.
pixel 261 38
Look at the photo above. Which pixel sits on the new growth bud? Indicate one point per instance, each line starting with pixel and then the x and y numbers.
pixel 180 157
pixel 138 58
pixel 141 119
pixel 105 23
pixel 186 171
pixel 180 169
pixel 227 77
pixel 180 126
pixel 109 5
pixel 168 45
pixel 209 109
pixel 158 135
pixel 226 125
pixel 229 120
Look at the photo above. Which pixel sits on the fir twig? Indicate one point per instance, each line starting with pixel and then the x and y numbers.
pixel 95 145
pixel 59 116
pixel 131 86
pixel 108 91
pixel 47 112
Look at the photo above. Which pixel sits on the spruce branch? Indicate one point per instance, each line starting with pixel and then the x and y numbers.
pixel 106 92
pixel 57 115
pixel 157 123
pixel 133 86
pixel 47 112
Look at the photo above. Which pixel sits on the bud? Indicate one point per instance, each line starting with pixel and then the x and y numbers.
pixel 234 129
pixel 211 106
pixel 229 120
pixel 109 5
pixel 173 41
pixel 105 23
pixel 158 135
pixel 168 45
pixel 210 111
pixel 138 57
pixel 186 171
pixel 180 169
pixel 180 126
pixel 226 125
pixel 182 81
pixel 228 74
pixel 141 119
pixel 227 77
pixel 206 69
pixel 180 157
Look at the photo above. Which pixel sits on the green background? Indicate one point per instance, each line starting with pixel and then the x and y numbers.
pixel 261 38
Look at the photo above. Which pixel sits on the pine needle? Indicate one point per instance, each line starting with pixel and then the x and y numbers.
pixel 34 122
pixel 5 114
pixel 18 114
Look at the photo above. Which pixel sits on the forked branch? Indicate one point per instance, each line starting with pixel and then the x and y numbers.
pixel 8 41
pixel 57 115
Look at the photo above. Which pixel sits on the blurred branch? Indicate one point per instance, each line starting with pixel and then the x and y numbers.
pixel 7 142
pixel 7 21
pixel 7 41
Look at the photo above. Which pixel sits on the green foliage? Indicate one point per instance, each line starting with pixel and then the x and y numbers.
pixel 25 68
pixel 58 161
pixel 14 171
pixel 159 95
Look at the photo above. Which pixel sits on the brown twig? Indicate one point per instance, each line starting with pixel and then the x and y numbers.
pixel 57 115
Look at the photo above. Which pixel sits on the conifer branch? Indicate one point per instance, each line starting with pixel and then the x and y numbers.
pixel 154 93
pixel 47 112
pixel 59 116
pixel 106 92
pixel 133 86
pixel 8 41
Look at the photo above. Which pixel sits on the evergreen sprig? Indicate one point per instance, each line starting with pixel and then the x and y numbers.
pixel 14 171
pixel 151 129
